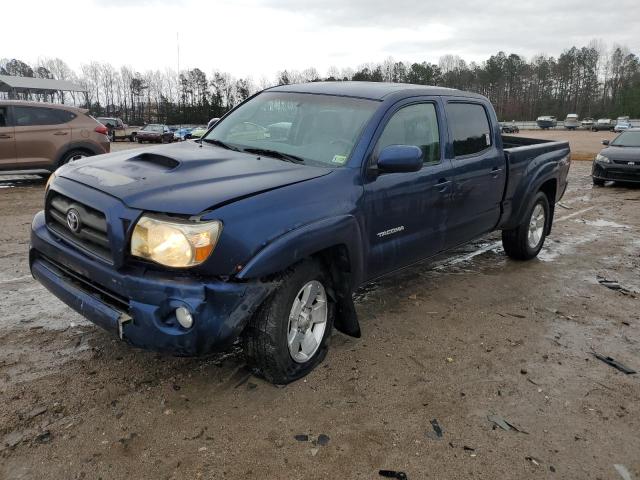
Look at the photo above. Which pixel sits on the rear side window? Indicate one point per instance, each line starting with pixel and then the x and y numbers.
pixel 414 125
pixel 4 121
pixel 30 116
pixel 470 128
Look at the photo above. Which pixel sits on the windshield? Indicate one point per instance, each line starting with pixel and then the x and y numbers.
pixel 153 128
pixel 627 139
pixel 317 129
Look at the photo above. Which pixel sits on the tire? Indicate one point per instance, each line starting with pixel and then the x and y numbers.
pixel 76 154
pixel 526 240
pixel 598 182
pixel 112 136
pixel 132 137
pixel 266 340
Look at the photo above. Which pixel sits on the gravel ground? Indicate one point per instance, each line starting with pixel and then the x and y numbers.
pixel 471 335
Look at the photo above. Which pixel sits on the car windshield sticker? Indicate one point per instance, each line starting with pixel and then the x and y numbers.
pixel 339 159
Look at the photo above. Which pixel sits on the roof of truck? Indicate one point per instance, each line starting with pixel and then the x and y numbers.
pixel 370 90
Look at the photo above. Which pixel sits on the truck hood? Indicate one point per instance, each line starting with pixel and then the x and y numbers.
pixel 185 178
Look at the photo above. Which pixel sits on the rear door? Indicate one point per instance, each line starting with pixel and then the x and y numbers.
pixel 7 140
pixel 405 213
pixel 478 171
pixel 41 133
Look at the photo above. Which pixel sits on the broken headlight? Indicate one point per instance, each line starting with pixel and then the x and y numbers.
pixel 174 243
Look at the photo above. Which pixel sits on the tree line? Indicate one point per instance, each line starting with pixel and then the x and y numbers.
pixel 593 81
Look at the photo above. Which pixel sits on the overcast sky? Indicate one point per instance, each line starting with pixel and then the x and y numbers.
pixel 259 37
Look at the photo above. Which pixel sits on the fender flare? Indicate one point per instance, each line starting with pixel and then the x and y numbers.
pixel 311 239
pixel 532 187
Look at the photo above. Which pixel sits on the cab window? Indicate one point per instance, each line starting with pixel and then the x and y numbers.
pixel 469 127
pixel 414 125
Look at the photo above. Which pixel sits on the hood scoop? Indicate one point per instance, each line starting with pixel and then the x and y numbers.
pixel 156 159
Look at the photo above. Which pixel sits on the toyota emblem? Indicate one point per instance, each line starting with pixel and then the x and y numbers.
pixel 73 220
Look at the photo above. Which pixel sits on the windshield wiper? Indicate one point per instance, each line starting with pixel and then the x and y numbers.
pixel 275 154
pixel 219 143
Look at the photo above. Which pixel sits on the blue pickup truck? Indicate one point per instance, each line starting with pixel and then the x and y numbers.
pixel 261 230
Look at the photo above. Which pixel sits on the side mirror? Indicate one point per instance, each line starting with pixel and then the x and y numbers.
pixel 212 122
pixel 400 158
pixel 605 142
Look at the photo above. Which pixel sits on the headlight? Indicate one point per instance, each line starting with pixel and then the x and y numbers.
pixel 602 159
pixel 174 243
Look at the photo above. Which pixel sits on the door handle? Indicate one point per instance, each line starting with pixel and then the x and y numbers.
pixel 61 133
pixel 495 172
pixel 4 135
pixel 443 185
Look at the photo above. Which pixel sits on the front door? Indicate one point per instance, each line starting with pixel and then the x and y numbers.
pixel 7 140
pixel 478 171
pixel 40 134
pixel 405 213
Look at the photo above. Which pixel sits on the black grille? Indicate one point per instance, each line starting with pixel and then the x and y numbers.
pixel 626 162
pixel 91 233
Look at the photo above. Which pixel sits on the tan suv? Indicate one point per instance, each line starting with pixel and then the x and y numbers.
pixel 43 136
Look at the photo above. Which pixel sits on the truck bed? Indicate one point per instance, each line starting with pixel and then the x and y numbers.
pixel 524 155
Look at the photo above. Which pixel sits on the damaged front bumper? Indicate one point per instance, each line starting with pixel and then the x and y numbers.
pixel 139 304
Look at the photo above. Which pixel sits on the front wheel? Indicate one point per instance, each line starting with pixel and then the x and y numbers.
pixel 525 241
pixel 289 335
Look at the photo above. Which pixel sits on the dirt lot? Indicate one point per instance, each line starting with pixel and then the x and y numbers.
pixel 472 335
pixel 584 143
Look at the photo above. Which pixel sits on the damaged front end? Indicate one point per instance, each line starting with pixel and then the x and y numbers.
pixel 143 306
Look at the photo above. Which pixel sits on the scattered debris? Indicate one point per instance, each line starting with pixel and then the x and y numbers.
pixel 516 315
pixel 44 437
pixel 36 412
pixel 614 363
pixel 437 430
pixel 523 371
pixel 499 421
pixel 623 472
pixel 468 449
pixel 301 437
pixel 323 440
pixel 533 460
pixel 393 474
pixel 449 360
pixel 564 206
pixel 613 285
pixel 314 451
pixel 531 381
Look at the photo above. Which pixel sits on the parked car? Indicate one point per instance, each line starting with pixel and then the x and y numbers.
pixel 603 124
pixel 266 239
pixel 546 122
pixel 154 132
pixel 118 130
pixel 620 160
pixel 622 124
pixel 587 123
pixel 44 136
pixel 571 122
pixel 182 134
pixel 509 128
pixel 197 132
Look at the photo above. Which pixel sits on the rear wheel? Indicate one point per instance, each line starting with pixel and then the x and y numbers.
pixel 526 240
pixel 289 335
pixel 74 155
